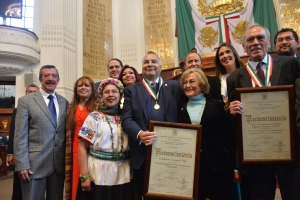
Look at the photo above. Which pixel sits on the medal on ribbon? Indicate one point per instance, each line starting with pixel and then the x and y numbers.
pixel 151 91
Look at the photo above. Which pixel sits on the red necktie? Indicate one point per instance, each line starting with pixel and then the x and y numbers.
pixel 260 73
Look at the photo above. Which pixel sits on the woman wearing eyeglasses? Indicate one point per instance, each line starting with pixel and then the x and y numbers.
pixel 103 151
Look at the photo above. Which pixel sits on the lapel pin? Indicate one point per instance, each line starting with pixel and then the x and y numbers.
pixel 166 84
pixel 181 108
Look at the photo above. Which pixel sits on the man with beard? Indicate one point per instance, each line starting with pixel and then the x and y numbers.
pixel 39 144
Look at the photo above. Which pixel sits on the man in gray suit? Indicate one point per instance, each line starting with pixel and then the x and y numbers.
pixel 39 145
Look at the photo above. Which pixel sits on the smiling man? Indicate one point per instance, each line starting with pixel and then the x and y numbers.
pixel 114 67
pixel 286 42
pixel 152 99
pixel 39 144
pixel 260 179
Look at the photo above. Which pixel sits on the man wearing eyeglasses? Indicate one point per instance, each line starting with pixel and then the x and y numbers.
pixel 263 70
pixel 286 42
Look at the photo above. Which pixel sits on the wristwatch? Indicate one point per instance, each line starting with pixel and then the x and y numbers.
pixel 83 178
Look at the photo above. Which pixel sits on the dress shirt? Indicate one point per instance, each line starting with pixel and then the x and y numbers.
pixel 263 67
pixel 45 96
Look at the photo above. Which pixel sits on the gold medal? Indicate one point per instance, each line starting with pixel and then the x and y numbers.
pixel 156 106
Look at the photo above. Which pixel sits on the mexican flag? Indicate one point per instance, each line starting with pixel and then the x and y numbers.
pixel 206 34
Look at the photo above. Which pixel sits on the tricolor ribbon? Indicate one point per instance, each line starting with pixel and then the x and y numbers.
pixel 150 89
pixel 268 73
pixel 223 24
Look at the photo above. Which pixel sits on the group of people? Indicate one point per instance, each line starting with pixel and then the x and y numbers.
pixel 96 145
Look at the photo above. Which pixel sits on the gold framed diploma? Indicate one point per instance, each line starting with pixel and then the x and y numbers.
pixel 266 129
pixel 173 161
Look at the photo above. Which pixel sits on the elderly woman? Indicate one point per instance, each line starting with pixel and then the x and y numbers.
pixel 218 145
pixel 227 60
pixel 103 151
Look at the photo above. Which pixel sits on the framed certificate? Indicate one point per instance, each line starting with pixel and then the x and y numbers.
pixel 266 129
pixel 173 161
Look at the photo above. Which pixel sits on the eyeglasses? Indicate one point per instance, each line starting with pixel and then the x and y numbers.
pixel 112 91
pixel 287 38
pixel 258 37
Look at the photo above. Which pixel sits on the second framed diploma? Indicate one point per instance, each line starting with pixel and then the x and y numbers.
pixel 173 160
pixel 266 129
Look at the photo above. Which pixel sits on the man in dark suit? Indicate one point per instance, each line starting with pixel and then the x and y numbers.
pixel 39 144
pixel 193 60
pixel 261 178
pixel 114 67
pixel 152 99
pixel 286 42
pixel 17 193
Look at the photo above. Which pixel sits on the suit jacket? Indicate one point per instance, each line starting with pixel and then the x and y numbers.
pixel 286 71
pixel 10 149
pixel 39 145
pixel 135 114
pixel 218 141
pixel 215 88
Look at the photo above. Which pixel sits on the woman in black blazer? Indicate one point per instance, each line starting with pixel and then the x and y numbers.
pixel 218 144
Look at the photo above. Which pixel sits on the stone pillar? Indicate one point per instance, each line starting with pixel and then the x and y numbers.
pixel 55 23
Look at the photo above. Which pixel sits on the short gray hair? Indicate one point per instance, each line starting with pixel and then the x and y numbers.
pixel 152 52
pixel 31 85
pixel 255 25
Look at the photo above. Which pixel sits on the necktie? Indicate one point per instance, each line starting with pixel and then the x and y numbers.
pixel 260 73
pixel 153 85
pixel 52 109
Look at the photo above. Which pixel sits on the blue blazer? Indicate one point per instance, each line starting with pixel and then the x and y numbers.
pixel 136 117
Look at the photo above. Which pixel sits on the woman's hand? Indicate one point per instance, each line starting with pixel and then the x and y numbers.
pixel 86 185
